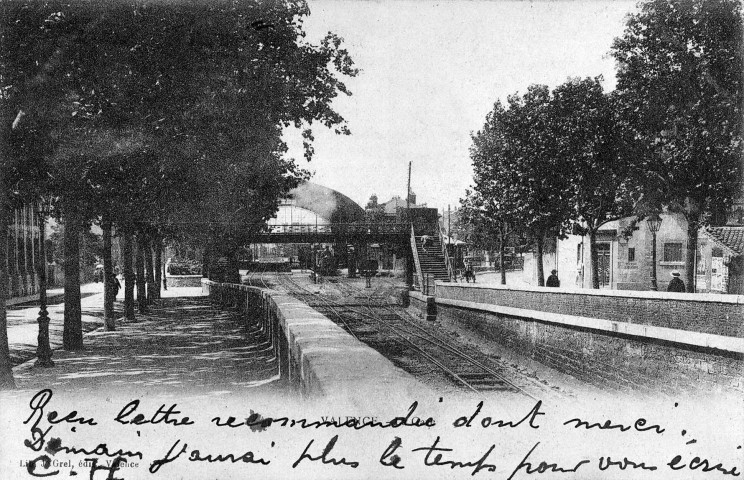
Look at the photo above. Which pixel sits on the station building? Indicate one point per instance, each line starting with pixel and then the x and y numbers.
pixel 625 256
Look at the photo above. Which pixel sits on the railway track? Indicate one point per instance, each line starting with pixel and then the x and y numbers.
pixel 257 278
pixel 370 317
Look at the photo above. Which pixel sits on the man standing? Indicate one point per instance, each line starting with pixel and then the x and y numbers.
pixel 676 285
pixel 553 279
pixel 469 273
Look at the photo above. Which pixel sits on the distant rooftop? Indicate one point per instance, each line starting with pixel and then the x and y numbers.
pixel 731 238
pixel 391 206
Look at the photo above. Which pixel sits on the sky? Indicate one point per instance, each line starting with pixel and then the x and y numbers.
pixel 431 71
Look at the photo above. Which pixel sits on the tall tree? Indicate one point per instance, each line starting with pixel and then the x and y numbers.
pixel 109 295
pixel 6 367
pixel 490 207
pixel 184 103
pixel 72 335
pixel 680 80
pixel 489 228
pixel 535 177
pixel 129 277
pixel 598 162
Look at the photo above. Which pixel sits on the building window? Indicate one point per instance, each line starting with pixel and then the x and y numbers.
pixel 631 254
pixel 672 252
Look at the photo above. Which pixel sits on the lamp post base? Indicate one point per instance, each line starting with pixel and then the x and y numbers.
pixel 43 350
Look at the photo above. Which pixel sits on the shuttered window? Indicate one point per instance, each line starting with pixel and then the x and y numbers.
pixel 672 252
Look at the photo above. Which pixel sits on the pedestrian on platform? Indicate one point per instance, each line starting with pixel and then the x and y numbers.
pixel 115 285
pixel 676 285
pixel 469 273
pixel 426 243
pixel 553 279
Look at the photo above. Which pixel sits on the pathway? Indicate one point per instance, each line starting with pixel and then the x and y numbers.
pixel 182 346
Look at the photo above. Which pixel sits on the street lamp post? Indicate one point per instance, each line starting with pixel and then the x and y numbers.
pixel 654 223
pixel 43 350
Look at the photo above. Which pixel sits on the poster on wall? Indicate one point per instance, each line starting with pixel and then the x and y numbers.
pixel 716 274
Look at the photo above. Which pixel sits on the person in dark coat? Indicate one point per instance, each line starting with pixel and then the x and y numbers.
pixel 469 273
pixel 553 279
pixel 676 285
pixel 115 285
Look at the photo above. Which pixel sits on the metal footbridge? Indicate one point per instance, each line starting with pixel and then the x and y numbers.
pixel 332 233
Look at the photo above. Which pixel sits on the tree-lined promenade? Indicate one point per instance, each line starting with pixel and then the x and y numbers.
pixel 669 138
pixel 157 121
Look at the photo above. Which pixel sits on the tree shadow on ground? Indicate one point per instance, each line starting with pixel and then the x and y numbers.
pixel 183 344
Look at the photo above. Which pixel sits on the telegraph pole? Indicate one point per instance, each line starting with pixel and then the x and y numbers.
pixel 449 224
pixel 409 258
pixel 408 194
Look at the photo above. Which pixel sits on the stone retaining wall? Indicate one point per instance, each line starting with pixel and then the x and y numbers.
pixel 618 340
pixel 704 313
pixel 422 306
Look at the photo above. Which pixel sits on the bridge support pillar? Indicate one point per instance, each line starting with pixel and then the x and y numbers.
pixel 409 270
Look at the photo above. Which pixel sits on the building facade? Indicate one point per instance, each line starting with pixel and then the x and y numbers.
pixel 22 248
pixel 625 253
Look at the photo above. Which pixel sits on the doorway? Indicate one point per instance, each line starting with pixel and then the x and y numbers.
pixel 604 264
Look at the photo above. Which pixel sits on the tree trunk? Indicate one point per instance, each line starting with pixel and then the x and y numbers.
pixel 152 287
pixel 109 290
pixel 539 259
pixel 140 267
pixel 502 256
pixel 72 335
pixel 158 246
pixel 692 233
pixel 594 258
pixel 6 367
pixel 232 275
pixel 165 273
pixel 126 252
pixel 206 259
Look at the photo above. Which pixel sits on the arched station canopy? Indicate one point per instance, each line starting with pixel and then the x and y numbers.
pixel 326 203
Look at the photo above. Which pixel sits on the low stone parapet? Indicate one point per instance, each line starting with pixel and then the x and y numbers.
pixel 649 341
pixel 318 357
pixel 695 312
pixel 183 280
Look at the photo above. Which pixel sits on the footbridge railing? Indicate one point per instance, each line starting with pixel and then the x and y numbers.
pixel 311 233
pixel 345 228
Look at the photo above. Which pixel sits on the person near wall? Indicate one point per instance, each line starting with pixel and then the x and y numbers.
pixel 426 242
pixel 115 285
pixel 676 285
pixel 469 273
pixel 553 279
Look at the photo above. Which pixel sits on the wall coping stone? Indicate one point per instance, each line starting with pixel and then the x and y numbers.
pixel 706 340
pixel 419 296
pixel 640 294
pixel 332 363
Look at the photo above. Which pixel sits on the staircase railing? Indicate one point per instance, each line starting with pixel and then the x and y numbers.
pixel 416 261
pixel 447 261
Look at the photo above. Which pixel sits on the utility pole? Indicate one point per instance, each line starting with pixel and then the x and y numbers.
pixel 409 257
pixel 449 224
pixel 408 194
